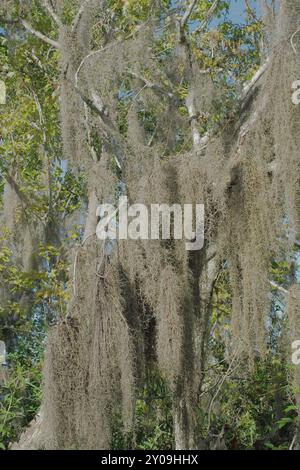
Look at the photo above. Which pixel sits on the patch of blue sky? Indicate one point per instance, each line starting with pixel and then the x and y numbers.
pixel 236 13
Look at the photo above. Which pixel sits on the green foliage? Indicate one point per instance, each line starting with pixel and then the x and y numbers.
pixel 49 192
pixel 153 418
pixel 20 391
pixel 154 415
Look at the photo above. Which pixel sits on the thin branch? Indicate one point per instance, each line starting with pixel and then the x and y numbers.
pixel 156 87
pixel 208 17
pixel 189 104
pixel 255 79
pixel 97 106
pixel 250 10
pixel 31 30
pixel 92 104
pixel 187 14
pixel 278 287
pixel 52 13
pixel 226 375
pixel 270 8
pixel 104 49
pixel 293 442
pixel 38 34
pixel 79 15
pixel 92 54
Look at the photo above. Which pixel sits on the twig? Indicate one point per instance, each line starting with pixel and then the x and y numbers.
pixel 38 34
pixel 31 30
pixel 208 17
pixel 104 49
pixel 52 13
pixel 156 87
pixel 79 15
pixel 292 443
pixel 187 14
pixel 276 286
pixel 250 10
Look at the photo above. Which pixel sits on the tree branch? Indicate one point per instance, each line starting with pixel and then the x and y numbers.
pixel 250 10
pixel 208 17
pixel 39 35
pixel 31 30
pixel 104 49
pixel 52 13
pixel 254 79
pixel 156 87
pixel 276 286
pixel 114 137
pixel 79 15
pixel 11 181
pixel 187 14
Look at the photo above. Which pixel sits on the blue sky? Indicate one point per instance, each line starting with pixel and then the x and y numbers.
pixel 237 11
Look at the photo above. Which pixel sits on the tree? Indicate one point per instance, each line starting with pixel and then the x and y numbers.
pixel 158 106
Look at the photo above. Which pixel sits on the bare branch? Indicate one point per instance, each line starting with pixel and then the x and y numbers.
pixel 30 29
pixel 156 87
pixel 52 13
pixel 79 14
pixel 114 137
pixel 276 286
pixel 250 10
pixel 254 79
pixel 228 372
pixel 189 103
pixel 38 34
pixel 187 14
pixel 208 17
pixel 293 442
pixel 270 8
pixel 92 104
